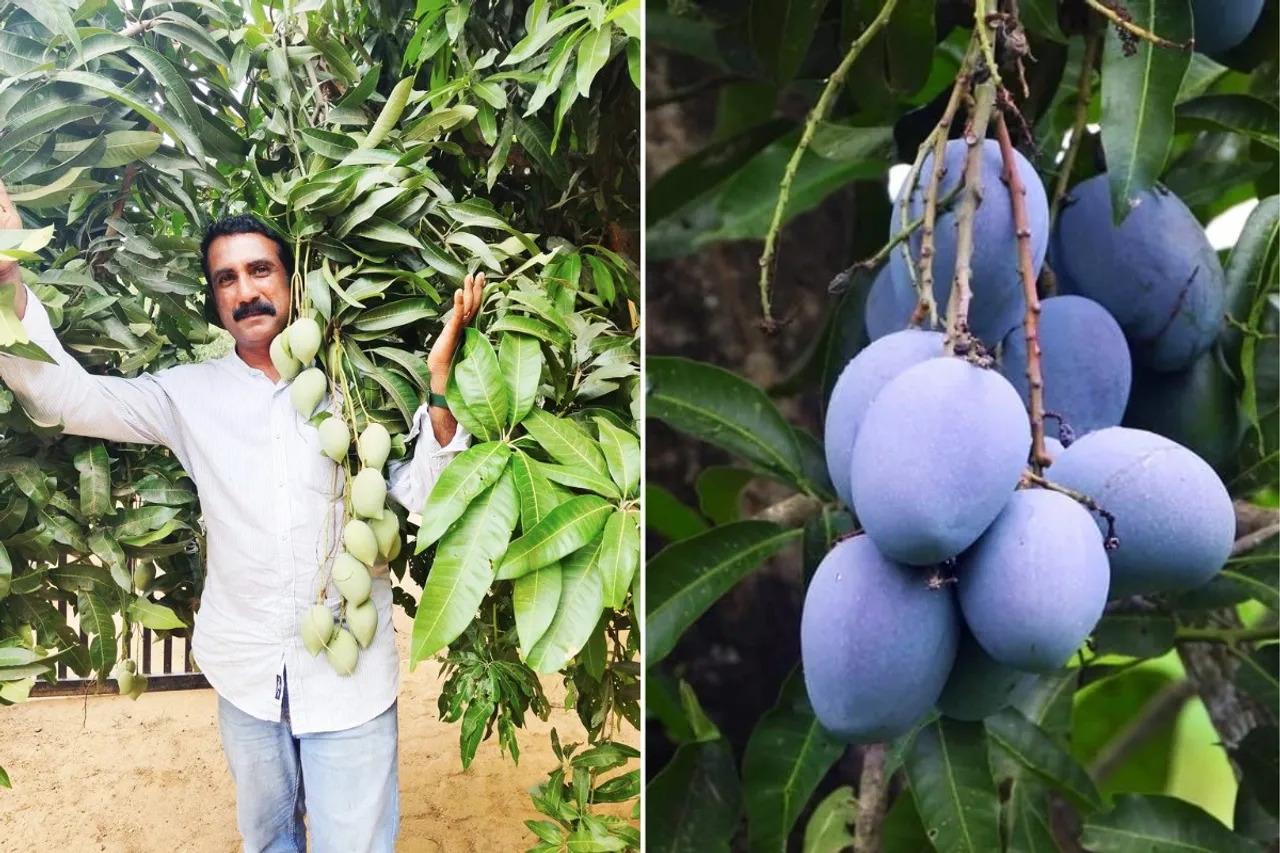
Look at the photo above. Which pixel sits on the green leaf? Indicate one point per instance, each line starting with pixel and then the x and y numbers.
pixel 1144 635
pixel 106 548
pixel 1027 818
pixel 1041 18
pixel 535 598
pixel 566 441
pixel 622 454
pixel 19 54
pixel 1157 824
pixel 699 773
pixel 722 408
pixel 1244 114
pixel 619 557
pixel 1259 674
pixel 538 496
pixel 43 120
pixel 561 532
pixel 471 472
pixel 719 491
pixel 157 617
pixel 780 32
pixel 393 315
pixel 530 326
pixel 6 572
pixel 54 17
pixel 168 124
pixel 593 53
pixel 534 137
pixel 684 579
pixel 184 30
pixel 539 36
pixel 578 611
pixel 144 519
pixel 520 357
pixel 463 569
pixel 480 381
pixel 458 406
pixel 439 121
pixel 335 146
pixel 577 478
pixel 828 828
pixel 1028 745
pixel 1138 93
pixel 381 231
pixel 95 481
pixel 786 758
pixel 28 477
pixel 337 58
pixel 951 781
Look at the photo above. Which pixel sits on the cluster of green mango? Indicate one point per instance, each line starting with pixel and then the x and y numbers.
pixel 373 531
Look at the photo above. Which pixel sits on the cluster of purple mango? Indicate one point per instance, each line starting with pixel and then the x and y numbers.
pixel 968 580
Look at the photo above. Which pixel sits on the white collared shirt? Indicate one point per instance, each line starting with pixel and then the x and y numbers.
pixel 273 511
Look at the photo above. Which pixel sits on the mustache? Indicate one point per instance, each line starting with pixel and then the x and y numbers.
pixel 250 309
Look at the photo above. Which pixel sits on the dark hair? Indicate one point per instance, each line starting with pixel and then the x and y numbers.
pixel 240 224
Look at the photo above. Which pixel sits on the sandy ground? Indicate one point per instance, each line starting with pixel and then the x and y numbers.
pixel 113 776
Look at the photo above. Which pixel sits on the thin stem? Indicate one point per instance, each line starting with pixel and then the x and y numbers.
pixel 914 225
pixel 981 28
pixel 873 796
pixel 1110 542
pixel 1040 458
pixel 1084 92
pixel 971 197
pixel 1229 636
pixel 925 304
pixel 1249 541
pixel 1123 20
pixel 834 84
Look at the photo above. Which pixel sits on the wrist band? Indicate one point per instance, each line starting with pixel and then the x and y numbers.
pixel 437 400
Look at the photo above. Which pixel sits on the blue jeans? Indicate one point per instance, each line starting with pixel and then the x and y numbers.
pixel 351 793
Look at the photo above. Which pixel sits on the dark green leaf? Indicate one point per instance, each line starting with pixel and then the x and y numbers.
pixel 724 409
pixel 668 517
pixel 951 781
pixel 577 612
pixel 781 31
pixel 830 826
pixel 1144 635
pixel 1159 824
pixel 1243 114
pixel 1028 745
pixel 1138 93
pixel 684 579
pixel 561 532
pixel 787 756
pixel 699 773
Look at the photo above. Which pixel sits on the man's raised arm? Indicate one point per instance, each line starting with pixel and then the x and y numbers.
pixel 137 410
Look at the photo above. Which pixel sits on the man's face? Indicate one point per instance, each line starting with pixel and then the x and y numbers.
pixel 250 287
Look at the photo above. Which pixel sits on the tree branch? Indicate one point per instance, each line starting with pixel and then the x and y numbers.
pixel 873 797
pixel 970 198
pixel 834 84
pixel 1249 541
pixel 1120 16
pixel 1161 709
pixel 1084 93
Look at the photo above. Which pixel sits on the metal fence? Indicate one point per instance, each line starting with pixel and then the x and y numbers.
pixel 156 663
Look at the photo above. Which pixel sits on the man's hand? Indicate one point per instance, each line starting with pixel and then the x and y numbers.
pixel 10 275
pixel 466 304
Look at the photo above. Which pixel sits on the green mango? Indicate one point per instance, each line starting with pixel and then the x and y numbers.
pixel 304 339
pixel 343 652
pixel 286 365
pixel 317 628
pixel 363 622
pixel 358 538
pixel 387 530
pixel 308 390
pixel 352 579
pixel 368 493
pixel 335 438
pixel 375 445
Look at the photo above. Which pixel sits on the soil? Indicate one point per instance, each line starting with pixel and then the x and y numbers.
pixel 109 775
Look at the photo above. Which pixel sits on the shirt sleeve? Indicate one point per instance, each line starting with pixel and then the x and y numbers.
pixel 113 408
pixel 409 481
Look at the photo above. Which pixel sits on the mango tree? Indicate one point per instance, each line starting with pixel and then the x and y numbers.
pixel 399 147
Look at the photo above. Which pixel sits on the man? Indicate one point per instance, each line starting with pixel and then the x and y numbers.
pixel 299 738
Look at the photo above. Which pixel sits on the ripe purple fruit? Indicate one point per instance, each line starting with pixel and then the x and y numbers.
pixel 1084 362
pixel 998 302
pixel 855 389
pixel 1034 586
pixel 1221 25
pixel 876 643
pixel 889 307
pixel 1174 518
pixel 1156 273
pixel 938 455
